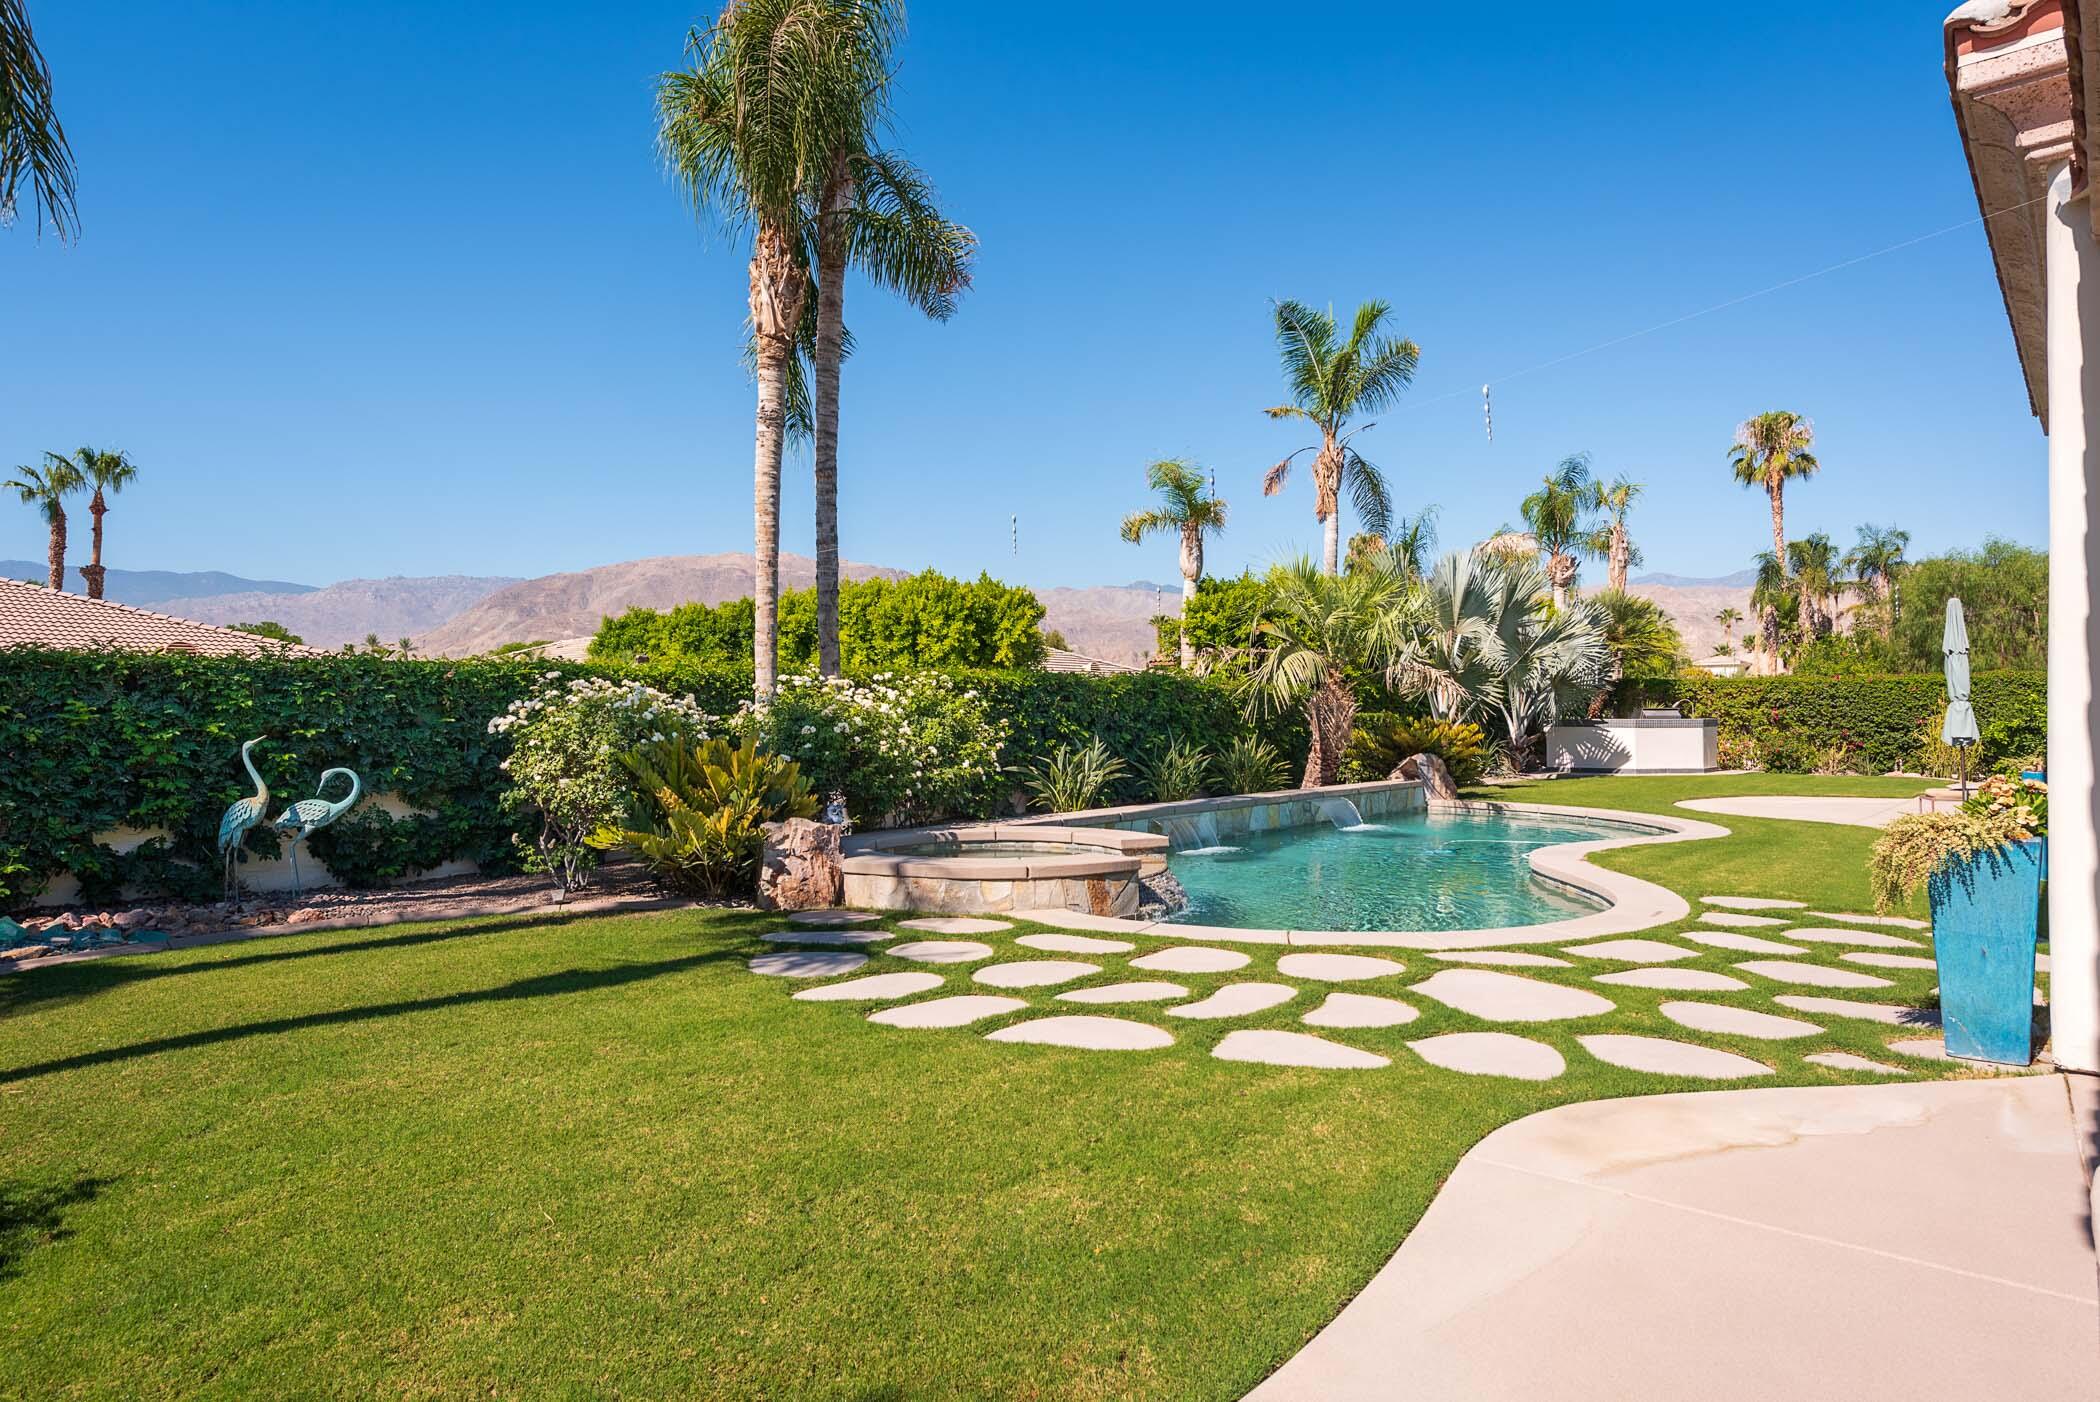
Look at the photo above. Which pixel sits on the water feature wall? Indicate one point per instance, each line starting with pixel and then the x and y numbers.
pixel 1341 812
pixel 1205 822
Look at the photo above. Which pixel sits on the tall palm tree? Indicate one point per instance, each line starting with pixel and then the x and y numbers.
pixel 1875 560
pixel 1187 510
pixel 1767 594
pixel 1332 382
pixel 1769 451
pixel 46 489
pixel 1615 503
pixel 1728 618
pixel 1558 514
pixel 1814 562
pixel 1315 630
pixel 33 147
pixel 108 474
pixel 771 89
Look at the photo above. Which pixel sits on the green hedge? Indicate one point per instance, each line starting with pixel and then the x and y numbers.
pixel 1790 723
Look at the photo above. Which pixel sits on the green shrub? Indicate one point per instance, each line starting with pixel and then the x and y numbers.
pixel 1176 773
pixel 1912 850
pixel 1382 740
pixel 697 808
pixel 1074 778
pixel 1250 764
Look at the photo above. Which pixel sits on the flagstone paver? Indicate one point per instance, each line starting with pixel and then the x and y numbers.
pixel 1751 903
pixel 833 917
pixel 1033 973
pixel 1338 968
pixel 1087 1032
pixel 1738 1022
pixel 1748 944
pixel 1935 1049
pixel 958 1011
pixel 1191 959
pixel 1663 1057
pixel 1631 951
pixel 1727 917
pixel 1890 1013
pixel 1875 960
pixel 1510 998
pixel 1686 980
pixel 807 964
pixel 852 937
pixel 1125 993
pixel 1492 1054
pixel 940 951
pixel 1869 939
pixel 955 925
pixel 1849 1061
pixel 1512 957
pixel 1901 922
pixel 1360 1010
pixel 1238 1000
pixel 1075 944
pixel 873 988
pixel 1294 1049
pixel 1811 975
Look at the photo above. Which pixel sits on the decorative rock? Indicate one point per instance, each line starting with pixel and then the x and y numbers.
pixel 1360 1010
pixel 1087 1032
pixel 807 964
pixel 873 988
pixel 1737 1022
pixel 1191 959
pixel 1034 973
pixel 1492 1054
pixel 1295 1049
pixel 306 915
pixel 1847 1061
pixel 1723 917
pixel 940 951
pixel 1901 922
pixel 854 937
pixel 798 865
pixel 1750 903
pixel 1810 975
pixel 958 1011
pixel 1431 772
pixel 1663 1057
pixel 1686 980
pixel 1632 951
pixel 1890 961
pixel 1238 1000
pixel 956 925
pixel 833 917
pixel 1868 1012
pixel 1748 944
pixel 1075 944
pixel 1815 935
pixel 1509 998
pixel 1338 968
pixel 1515 958
pixel 1125 993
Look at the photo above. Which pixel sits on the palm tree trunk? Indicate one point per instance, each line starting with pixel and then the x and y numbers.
pixel 1330 714
pixel 1621 558
pixel 832 238
pixel 1327 483
pixel 777 292
pixel 56 555
pixel 1191 572
pixel 93 572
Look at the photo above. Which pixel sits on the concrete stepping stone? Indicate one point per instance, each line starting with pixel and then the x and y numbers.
pixel 1513 957
pixel 1750 903
pixel 1510 998
pixel 807 964
pixel 1033 973
pixel 956 925
pixel 1684 980
pixel 1294 1049
pixel 1890 1013
pixel 1492 1054
pixel 873 988
pixel 1729 917
pixel 1935 1049
pixel 1849 1061
pixel 1737 1022
pixel 1075 944
pixel 1810 975
pixel 1360 1010
pixel 1191 959
pixel 1876 960
pixel 1901 922
pixel 1662 1057
pixel 852 937
pixel 833 917
pixel 1748 944
pixel 1865 938
pixel 1338 968
pixel 940 951
pixel 1087 1032
pixel 1125 993
pixel 1238 1000
pixel 1632 951
pixel 959 1011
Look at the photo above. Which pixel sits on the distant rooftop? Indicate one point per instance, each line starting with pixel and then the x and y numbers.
pixel 33 616
pixel 1059 659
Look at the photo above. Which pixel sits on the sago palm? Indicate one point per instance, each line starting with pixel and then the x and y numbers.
pixel 1333 381
pixel 46 488
pixel 1186 510
pixel 1770 451
pixel 1615 503
pixel 106 474
pixel 33 149
pixel 1558 514
pixel 1315 631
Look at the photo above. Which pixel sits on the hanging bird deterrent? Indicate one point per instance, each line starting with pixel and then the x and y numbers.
pixel 1487 411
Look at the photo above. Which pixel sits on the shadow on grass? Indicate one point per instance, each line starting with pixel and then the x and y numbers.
pixel 33 1215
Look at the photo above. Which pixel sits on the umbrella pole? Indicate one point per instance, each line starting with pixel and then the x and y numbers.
pixel 1963 751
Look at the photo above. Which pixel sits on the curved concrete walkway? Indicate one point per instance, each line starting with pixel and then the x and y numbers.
pixel 1853 812
pixel 1902 1241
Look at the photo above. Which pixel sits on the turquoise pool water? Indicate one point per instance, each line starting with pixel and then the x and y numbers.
pixel 1414 872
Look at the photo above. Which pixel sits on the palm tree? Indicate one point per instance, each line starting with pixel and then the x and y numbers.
pixel 1815 568
pixel 1185 509
pixel 1875 560
pixel 46 489
pixel 1613 543
pixel 33 147
pixel 1766 595
pixel 1332 382
pixel 1728 618
pixel 771 90
pixel 1315 630
pixel 1643 640
pixel 1558 515
pixel 1769 451
pixel 107 473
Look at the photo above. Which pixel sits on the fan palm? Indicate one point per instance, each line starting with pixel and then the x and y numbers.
pixel 1728 618
pixel 1187 510
pixel 1332 382
pixel 1769 451
pixel 107 474
pixel 1767 594
pixel 33 149
pixel 1615 503
pixel 1815 567
pixel 1448 660
pixel 46 489
pixel 1315 630
pixel 1558 514
pixel 1875 560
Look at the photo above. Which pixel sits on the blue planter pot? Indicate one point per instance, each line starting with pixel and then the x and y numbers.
pixel 1984 916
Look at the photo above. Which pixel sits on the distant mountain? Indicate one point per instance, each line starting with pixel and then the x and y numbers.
pixel 1692 607
pixel 1109 621
pixel 151 587
pixel 347 612
pixel 1741 579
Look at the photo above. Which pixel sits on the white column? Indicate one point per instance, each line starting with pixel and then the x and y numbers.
pixel 2074 543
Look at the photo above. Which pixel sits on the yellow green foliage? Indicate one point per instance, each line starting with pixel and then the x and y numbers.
pixel 699 806
pixel 1381 741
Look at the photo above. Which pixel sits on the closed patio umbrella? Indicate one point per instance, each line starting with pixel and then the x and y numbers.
pixel 1959 728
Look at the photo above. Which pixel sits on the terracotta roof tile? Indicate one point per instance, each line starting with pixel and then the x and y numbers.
pixel 33 616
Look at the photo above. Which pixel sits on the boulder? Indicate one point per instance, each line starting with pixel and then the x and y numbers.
pixel 799 866
pixel 1435 777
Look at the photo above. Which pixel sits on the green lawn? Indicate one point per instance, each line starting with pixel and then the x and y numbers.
pixel 598 1157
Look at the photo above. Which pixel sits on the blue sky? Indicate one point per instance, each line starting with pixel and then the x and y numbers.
pixel 399 288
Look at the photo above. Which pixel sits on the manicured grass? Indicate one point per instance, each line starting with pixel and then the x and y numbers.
pixel 598 1157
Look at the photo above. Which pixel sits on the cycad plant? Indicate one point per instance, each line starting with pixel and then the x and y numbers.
pixel 33 148
pixel 1074 778
pixel 1187 510
pixel 1317 633
pixel 699 810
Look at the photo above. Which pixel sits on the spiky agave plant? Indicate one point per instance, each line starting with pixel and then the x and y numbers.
pixel 1074 778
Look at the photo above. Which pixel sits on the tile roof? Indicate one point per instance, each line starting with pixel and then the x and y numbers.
pixel 1057 659
pixel 33 616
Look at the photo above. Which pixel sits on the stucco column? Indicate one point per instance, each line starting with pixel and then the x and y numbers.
pixel 2074 542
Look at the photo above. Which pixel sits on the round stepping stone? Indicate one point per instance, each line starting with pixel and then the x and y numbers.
pixel 852 937
pixel 1294 1049
pixel 807 964
pixel 1360 1010
pixel 1075 944
pixel 1901 922
pixel 1492 1054
pixel 1033 973
pixel 959 1011
pixel 1814 935
pixel 1748 944
pixel 1238 1000
pixel 1739 1022
pixel 1087 1032
pixel 940 951
pixel 1847 1061
pixel 1338 968
pixel 1750 903
pixel 1512 957
pixel 1632 951
pixel 1662 1057
pixel 1509 998
pixel 1874 960
pixel 1723 917
pixel 1191 959
pixel 873 988
pixel 955 925
pixel 1684 980
pixel 1889 1013
pixel 833 917
pixel 1125 993
pixel 1810 975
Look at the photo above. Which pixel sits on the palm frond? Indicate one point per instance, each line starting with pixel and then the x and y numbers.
pixel 33 147
pixel 1367 492
pixel 903 242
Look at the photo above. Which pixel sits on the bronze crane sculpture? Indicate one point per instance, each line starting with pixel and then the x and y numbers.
pixel 241 815
pixel 310 815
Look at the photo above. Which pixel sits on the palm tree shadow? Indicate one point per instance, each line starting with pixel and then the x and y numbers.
pixel 32 1215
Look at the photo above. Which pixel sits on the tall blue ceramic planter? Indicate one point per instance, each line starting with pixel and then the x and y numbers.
pixel 1984 914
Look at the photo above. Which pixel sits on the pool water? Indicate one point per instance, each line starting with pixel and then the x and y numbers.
pixel 1414 871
